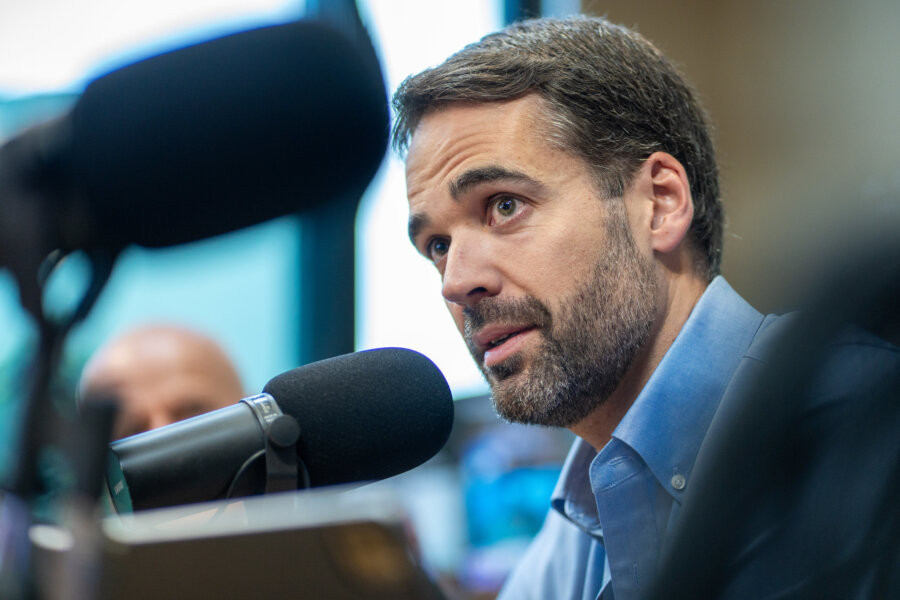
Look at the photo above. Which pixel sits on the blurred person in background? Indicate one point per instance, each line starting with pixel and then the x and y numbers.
pixel 159 374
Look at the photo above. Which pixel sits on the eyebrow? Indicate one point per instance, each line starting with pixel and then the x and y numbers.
pixel 464 183
pixel 473 177
pixel 417 223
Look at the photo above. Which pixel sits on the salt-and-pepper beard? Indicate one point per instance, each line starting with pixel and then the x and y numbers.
pixel 587 344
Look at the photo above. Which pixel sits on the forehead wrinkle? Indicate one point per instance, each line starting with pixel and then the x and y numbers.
pixel 430 161
pixel 442 143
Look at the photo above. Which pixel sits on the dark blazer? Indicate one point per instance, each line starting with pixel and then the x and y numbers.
pixel 796 489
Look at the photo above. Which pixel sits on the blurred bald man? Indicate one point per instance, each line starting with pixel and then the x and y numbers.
pixel 159 374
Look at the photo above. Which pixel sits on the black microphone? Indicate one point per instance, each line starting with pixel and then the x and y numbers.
pixel 208 139
pixel 363 416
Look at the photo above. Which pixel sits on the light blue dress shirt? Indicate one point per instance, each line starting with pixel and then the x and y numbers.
pixel 611 510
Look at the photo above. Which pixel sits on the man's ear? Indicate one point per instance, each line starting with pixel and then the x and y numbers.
pixel 672 204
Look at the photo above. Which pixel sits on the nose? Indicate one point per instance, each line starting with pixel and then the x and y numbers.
pixel 470 272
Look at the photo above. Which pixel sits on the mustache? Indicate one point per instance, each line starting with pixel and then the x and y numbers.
pixel 495 310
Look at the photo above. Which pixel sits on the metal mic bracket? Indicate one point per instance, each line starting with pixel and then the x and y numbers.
pixel 284 469
pixel 282 465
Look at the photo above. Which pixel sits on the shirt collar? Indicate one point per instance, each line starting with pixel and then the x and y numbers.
pixel 668 420
pixel 573 497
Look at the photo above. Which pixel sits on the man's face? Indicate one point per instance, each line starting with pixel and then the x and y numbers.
pixel 158 376
pixel 157 397
pixel 539 272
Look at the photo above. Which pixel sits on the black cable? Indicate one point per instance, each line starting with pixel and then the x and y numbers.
pixel 256 455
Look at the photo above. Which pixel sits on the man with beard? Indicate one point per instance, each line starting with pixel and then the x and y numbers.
pixel 562 180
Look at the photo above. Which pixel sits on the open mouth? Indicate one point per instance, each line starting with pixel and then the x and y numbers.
pixel 504 340
pixel 500 340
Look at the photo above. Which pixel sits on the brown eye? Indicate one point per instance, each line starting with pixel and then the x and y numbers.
pixel 506 206
pixel 437 248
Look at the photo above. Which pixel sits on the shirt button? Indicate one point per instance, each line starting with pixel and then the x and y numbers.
pixel 678 482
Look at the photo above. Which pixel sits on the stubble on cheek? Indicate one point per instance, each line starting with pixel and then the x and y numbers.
pixel 526 311
pixel 598 330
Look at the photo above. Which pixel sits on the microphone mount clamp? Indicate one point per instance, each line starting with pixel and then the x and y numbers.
pixel 284 469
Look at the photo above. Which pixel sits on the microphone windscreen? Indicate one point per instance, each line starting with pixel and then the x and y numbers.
pixel 366 416
pixel 225 134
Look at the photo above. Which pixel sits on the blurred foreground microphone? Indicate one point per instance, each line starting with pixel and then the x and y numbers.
pixel 205 140
pixel 362 417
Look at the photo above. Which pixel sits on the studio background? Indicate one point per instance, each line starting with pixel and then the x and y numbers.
pixel 803 97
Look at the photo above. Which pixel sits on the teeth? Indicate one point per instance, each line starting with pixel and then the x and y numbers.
pixel 500 340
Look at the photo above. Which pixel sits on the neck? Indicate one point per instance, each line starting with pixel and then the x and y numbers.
pixel 677 299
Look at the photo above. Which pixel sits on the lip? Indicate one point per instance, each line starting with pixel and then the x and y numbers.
pixel 490 333
pixel 495 354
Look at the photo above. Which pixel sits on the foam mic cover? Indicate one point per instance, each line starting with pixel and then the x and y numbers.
pixel 214 137
pixel 366 416
pixel 362 417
